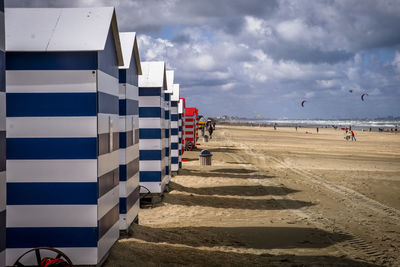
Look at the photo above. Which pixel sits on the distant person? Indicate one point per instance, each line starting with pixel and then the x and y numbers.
pixel 370 129
pixel 317 130
pixel 210 131
pixel 213 124
pixel 275 126
pixel 353 137
pixel 296 128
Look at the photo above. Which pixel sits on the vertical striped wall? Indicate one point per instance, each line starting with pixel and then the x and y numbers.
pixel 152 139
pixel 174 137
pixel 63 153
pixel 189 127
pixel 197 126
pixel 2 141
pixel 129 147
pixel 167 125
pixel 180 130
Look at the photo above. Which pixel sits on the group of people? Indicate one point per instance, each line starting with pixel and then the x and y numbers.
pixel 210 126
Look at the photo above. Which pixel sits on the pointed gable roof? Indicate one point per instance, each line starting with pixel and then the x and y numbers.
pixel 129 46
pixel 60 29
pixel 153 74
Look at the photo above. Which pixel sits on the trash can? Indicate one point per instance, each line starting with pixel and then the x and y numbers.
pixel 205 157
pixel 205 138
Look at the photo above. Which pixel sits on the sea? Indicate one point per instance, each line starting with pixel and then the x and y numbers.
pixel 373 125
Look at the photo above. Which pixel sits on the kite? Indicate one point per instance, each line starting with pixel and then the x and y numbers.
pixel 362 96
pixel 302 102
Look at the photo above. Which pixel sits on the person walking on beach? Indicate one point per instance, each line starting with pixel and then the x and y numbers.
pixel 317 130
pixel 210 131
pixel 353 137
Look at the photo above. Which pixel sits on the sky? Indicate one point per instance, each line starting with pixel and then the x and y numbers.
pixel 264 57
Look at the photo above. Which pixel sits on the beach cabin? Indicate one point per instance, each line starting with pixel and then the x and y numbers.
pixel 190 127
pixel 181 111
pixel 175 130
pixel 129 131
pixel 167 112
pixel 2 141
pixel 152 84
pixel 62 131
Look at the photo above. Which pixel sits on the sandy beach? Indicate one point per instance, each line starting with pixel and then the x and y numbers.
pixel 276 198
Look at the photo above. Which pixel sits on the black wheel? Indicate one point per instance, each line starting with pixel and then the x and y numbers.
pixel 59 254
pixel 189 146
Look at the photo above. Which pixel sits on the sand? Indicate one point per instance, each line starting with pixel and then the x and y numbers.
pixel 276 198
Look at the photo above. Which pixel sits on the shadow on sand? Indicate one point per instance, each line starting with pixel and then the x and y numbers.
pixel 185 246
pixel 235 190
pixel 234 203
pixel 232 175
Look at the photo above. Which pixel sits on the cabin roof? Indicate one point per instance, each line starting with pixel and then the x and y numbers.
pixel 61 29
pixel 129 46
pixel 153 74
pixel 175 93
pixel 170 81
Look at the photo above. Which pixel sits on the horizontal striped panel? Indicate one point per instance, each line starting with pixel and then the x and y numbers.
pixel 129 170
pixel 150 123
pixel 154 187
pixel 2 151
pixel 174 117
pixel 52 60
pixel 174 139
pixel 103 141
pixel 174 153
pixel 128 107
pixel 189 120
pixel 129 154
pixel 108 221
pixel 188 126
pixel 167 152
pixel 107 103
pixel 107 202
pixel 189 138
pixel 150 101
pixel 166 112
pixel 127 219
pixel 51 193
pixel 150 154
pixel 150 176
pixel 174 104
pixel 51 148
pixel 52 127
pixel 127 187
pixel 125 139
pixel 107 84
pixel 52 237
pixel 51 104
pixel 132 92
pixel 187 133
pixel 107 162
pixel 125 204
pixel 103 123
pixel 174 160
pixel 2 111
pixel 174 145
pixel 3 187
pixel 107 241
pixel 174 131
pixel 42 81
pixel 149 112
pixel 150 144
pixel 107 182
pixel 151 165
pixel 52 171
pixel 52 216
pixel 149 91
pixel 150 134
pixel 2 231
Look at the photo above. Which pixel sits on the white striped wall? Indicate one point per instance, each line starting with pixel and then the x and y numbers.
pixel 167 138
pixel 152 140
pixel 129 153
pixel 180 140
pixel 2 141
pixel 174 136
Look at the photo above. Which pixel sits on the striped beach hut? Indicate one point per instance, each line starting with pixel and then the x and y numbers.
pixel 175 130
pixel 62 131
pixel 152 84
pixel 2 141
pixel 181 111
pixel 129 131
pixel 190 127
pixel 167 111
pixel 197 125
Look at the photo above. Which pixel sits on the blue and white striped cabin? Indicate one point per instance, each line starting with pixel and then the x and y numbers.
pixel 152 85
pixel 175 129
pixel 2 141
pixel 62 131
pixel 167 107
pixel 181 111
pixel 129 131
